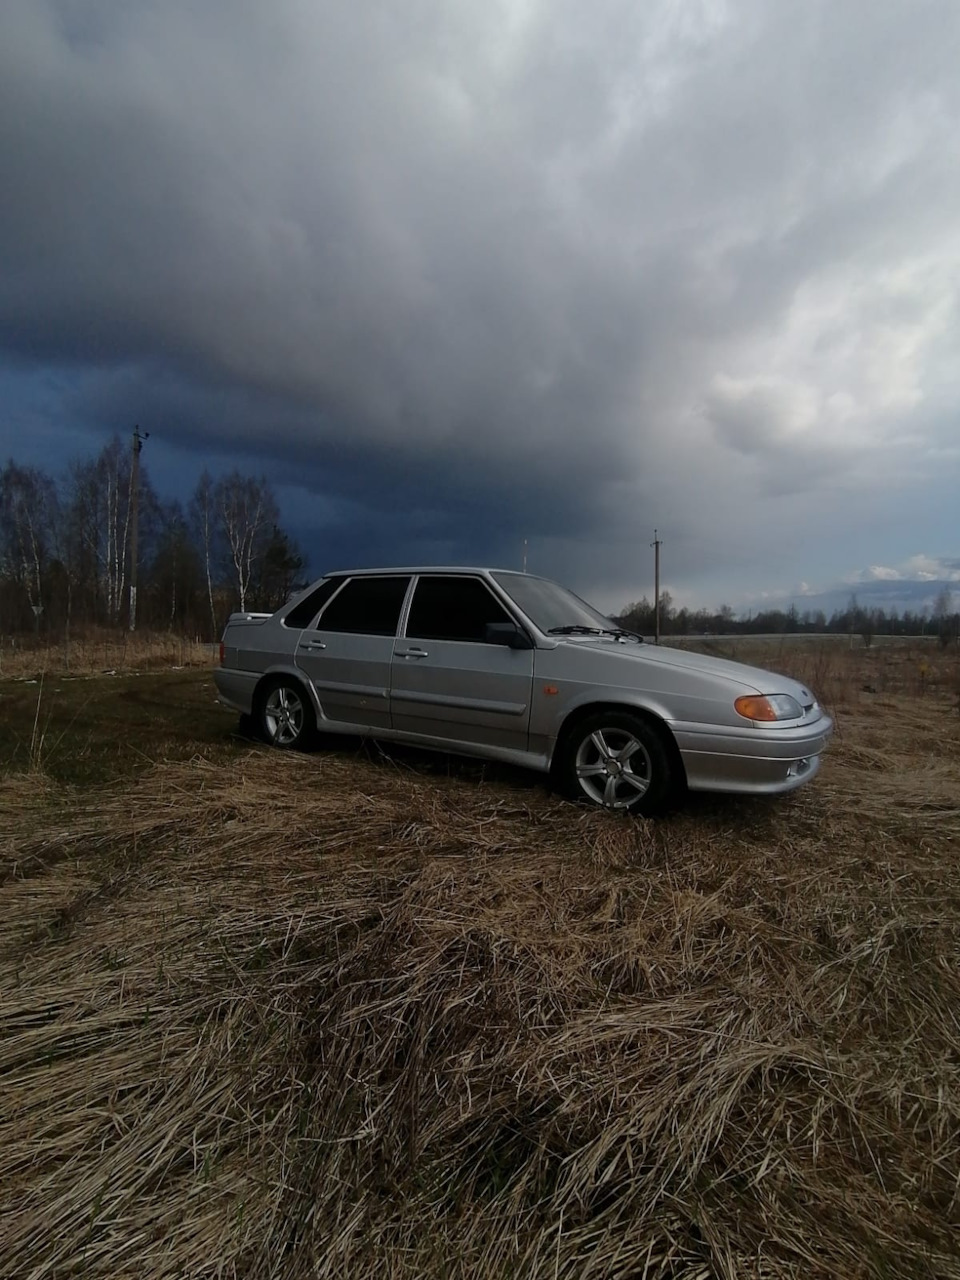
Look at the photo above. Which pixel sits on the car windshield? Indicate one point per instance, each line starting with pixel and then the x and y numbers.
pixel 553 608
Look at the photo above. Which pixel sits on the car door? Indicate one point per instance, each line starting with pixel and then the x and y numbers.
pixel 347 652
pixel 447 681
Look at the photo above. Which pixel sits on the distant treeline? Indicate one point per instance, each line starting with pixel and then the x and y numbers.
pixel 66 547
pixel 941 620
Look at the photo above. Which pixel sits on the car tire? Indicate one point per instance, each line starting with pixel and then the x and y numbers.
pixel 284 715
pixel 617 760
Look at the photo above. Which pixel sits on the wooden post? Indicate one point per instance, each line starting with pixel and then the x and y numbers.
pixel 138 440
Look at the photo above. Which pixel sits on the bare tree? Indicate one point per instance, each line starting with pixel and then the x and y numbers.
pixel 82 534
pixel 867 626
pixel 942 610
pixel 65 549
pixel 667 611
pixel 174 574
pixel 247 511
pixel 203 515
pixel 117 480
pixel 97 527
pixel 100 500
pixel 28 504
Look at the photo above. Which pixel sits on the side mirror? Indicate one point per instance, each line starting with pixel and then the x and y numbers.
pixel 507 633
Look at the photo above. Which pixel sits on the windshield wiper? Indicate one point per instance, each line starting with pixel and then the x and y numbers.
pixel 578 629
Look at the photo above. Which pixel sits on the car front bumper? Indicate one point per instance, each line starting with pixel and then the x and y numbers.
pixel 752 761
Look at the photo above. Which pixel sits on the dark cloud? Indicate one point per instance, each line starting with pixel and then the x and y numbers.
pixel 470 274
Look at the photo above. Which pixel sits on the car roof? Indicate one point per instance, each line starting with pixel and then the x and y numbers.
pixel 419 568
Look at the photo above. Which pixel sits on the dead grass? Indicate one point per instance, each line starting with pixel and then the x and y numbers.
pixel 839 670
pixel 102 651
pixel 331 1016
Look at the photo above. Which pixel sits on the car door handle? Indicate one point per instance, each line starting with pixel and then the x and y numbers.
pixel 314 644
pixel 412 653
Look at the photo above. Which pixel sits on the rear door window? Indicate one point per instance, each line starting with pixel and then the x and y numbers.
pixel 367 607
pixel 453 609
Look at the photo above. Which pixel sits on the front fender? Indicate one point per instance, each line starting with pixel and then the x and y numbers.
pixel 549 729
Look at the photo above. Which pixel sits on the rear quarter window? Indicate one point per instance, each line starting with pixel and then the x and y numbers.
pixel 303 613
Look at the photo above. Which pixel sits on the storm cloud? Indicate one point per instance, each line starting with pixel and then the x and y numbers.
pixel 457 276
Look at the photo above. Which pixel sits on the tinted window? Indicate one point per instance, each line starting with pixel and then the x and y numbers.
pixel 366 606
pixel 302 614
pixel 452 609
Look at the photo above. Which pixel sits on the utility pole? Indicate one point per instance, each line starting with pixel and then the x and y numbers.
pixel 656 544
pixel 524 555
pixel 138 440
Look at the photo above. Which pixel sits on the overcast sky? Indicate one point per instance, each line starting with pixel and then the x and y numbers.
pixel 458 274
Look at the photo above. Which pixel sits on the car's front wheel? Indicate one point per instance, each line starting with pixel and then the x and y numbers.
pixel 284 715
pixel 617 760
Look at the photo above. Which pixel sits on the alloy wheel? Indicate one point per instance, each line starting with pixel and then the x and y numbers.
pixel 613 768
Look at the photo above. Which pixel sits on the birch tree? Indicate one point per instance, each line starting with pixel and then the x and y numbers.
pixel 28 513
pixel 247 512
pixel 203 518
pixel 116 477
pixel 100 516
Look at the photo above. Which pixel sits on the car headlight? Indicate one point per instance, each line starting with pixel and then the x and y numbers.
pixel 769 706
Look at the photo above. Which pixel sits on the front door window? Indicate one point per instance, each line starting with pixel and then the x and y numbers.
pixel 453 609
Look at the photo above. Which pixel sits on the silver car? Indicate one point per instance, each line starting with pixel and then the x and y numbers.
pixel 509 666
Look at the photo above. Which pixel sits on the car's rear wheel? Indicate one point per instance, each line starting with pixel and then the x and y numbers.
pixel 284 715
pixel 619 761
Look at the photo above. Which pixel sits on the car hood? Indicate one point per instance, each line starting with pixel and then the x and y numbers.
pixel 756 679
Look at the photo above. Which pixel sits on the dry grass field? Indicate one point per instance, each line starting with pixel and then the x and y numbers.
pixel 101 650
pixel 358 1013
